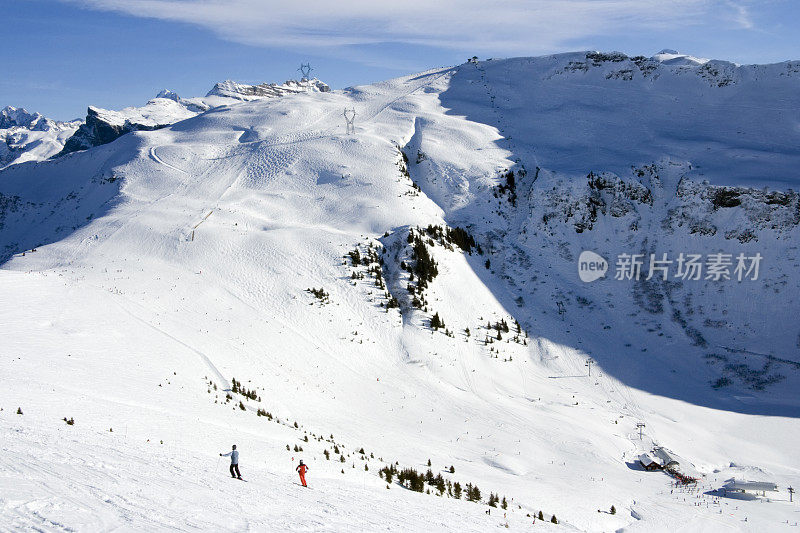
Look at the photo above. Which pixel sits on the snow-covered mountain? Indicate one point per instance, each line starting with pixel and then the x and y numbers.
pixel 410 295
pixel 28 136
pixel 103 126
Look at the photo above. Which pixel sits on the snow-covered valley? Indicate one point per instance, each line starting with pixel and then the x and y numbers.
pixel 258 241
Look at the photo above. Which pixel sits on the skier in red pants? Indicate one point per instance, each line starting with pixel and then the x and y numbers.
pixel 301 469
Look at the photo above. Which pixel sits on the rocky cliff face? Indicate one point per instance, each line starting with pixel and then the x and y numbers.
pixel 650 225
pixel 231 89
pixel 103 126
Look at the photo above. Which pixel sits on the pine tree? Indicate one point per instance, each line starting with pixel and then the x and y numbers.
pixel 613 510
pixel 473 493
pixel 418 483
pixel 541 515
pixel 440 486
pixel 457 490
pixel 19 410
pixel 554 519
pixel 429 479
pixel 504 503
pixel 389 472
pixel 452 469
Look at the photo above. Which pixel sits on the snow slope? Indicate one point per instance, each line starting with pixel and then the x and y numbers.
pixel 103 126
pixel 168 262
pixel 148 473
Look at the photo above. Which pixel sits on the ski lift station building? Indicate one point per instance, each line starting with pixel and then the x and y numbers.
pixel 749 487
pixel 649 463
pixel 668 459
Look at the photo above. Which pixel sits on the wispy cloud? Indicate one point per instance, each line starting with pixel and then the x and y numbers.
pixel 507 27
pixel 741 15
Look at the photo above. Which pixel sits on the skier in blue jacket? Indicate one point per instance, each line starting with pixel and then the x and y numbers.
pixel 234 462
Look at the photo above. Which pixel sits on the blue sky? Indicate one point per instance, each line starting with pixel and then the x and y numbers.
pixel 63 55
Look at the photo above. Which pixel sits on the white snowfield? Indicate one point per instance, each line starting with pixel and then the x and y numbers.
pixel 168 263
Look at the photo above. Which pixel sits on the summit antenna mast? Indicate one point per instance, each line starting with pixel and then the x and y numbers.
pixel 305 70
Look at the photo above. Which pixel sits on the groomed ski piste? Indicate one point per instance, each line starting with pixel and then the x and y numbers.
pixel 142 276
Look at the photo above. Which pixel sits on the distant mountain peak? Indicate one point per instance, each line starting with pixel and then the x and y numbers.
pixel 169 95
pixel 26 136
pixel 240 91
pixel 18 116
